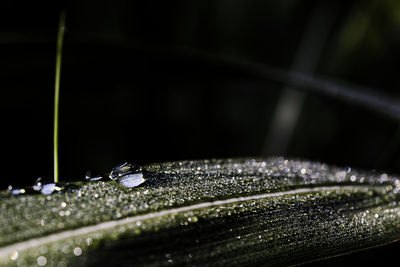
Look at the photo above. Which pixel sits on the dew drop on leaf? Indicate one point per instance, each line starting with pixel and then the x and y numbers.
pixel 127 175
pixel 91 176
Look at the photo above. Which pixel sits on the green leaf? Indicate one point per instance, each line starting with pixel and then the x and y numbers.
pixel 210 212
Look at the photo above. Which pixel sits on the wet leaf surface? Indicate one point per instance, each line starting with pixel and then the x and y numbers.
pixel 210 212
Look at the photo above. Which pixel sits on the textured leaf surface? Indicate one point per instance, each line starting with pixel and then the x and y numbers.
pixel 211 212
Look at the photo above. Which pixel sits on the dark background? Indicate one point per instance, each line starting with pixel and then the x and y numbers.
pixel 131 89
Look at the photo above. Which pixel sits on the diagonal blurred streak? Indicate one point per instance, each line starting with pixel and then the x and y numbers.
pixel 288 108
pixel 357 95
pixel 368 98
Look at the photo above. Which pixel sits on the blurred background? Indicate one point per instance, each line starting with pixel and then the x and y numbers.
pixel 135 86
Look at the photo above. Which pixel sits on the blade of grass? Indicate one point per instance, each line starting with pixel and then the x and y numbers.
pixel 61 28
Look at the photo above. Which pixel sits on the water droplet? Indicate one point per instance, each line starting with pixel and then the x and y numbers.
pixel 50 188
pixel 37 186
pixel 91 176
pixel 41 261
pixel 120 170
pixel 127 175
pixel 14 255
pixel 46 186
pixel 16 191
pixel 77 251
pixel 132 180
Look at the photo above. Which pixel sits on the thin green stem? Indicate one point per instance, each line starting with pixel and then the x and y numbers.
pixel 61 28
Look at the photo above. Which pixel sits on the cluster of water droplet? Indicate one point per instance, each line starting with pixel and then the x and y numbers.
pixel 126 174
pixel 41 185
pixel 279 171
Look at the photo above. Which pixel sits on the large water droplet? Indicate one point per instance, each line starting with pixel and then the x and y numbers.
pixel 46 187
pixel 50 188
pixel 127 175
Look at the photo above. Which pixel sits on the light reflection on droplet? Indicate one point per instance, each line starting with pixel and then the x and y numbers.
pixel 132 180
pixel 127 175
pixel 14 255
pixel 89 241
